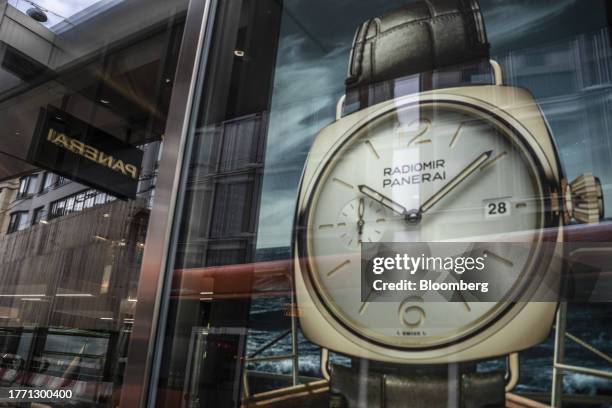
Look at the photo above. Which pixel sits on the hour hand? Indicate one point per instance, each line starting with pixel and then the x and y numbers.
pixel 384 200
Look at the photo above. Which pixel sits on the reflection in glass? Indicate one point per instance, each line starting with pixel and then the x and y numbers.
pixel 68 278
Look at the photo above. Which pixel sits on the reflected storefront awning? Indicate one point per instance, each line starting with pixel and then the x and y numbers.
pixel 59 64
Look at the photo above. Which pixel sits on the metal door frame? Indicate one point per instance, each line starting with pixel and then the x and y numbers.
pixel 140 380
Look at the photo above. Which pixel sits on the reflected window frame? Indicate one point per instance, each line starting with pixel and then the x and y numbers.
pixel 19 221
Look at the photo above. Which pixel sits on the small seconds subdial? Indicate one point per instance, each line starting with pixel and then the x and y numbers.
pixel 361 220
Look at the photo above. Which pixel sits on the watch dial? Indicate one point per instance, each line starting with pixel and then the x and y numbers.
pixel 409 155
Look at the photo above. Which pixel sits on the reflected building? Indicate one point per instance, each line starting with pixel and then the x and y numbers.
pixel 572 81
pixel 71 247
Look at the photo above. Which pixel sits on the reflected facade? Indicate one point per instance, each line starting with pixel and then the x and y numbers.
pixel 71 247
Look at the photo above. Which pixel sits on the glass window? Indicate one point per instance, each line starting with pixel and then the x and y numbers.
pixel 97 78
pixel 326 128
pixel 48 181
pixel 78 202
pixel 38 215
pixel 90 197
pixel 27 186
pixel 18 221
pixel 57 209
pixel 100 198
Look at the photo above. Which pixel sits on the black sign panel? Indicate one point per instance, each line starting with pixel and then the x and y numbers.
pixel 74 149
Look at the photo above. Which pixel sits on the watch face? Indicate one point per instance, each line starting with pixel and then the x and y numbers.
pixel 409 155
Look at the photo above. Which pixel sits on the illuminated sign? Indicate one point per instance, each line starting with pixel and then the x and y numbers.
pixel 74 149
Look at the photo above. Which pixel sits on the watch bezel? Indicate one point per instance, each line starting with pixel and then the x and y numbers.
pixel 548 181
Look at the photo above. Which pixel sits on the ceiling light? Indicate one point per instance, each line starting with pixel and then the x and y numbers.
pixel 104 101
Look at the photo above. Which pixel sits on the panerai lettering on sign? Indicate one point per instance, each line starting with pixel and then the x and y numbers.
pixel 93 154
pixel 414 173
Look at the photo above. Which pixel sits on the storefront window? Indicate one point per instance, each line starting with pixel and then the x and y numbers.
pixel 85 89
pixel 327 127
pixel 306 203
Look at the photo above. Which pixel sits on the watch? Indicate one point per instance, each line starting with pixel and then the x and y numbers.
pixel 442 164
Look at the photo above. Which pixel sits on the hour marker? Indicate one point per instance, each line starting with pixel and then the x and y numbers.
pixel 326 226
pixel 456 135
pixel 376 231
pixel 411 315
pixel 365 303
pixel 465 303
pixel 521 205
pixel 493 161
pixel 337 268
pixel 381 220
pixel 424 141
pixel 424 126
pixel 344 183
pixel 499 258
pixel 342 224
pixel 372 149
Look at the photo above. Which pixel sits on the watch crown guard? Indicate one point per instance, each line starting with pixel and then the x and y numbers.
pixel 584 199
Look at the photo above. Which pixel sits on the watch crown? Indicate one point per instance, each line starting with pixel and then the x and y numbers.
pixel 584 199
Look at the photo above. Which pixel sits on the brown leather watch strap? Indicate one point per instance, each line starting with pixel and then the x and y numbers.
pixel 421 37
pixel 422 388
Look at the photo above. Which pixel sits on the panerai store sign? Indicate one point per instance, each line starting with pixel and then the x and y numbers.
pixel 72 148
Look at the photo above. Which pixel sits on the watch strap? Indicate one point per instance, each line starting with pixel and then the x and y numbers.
pixel 421 37
pixel 352 388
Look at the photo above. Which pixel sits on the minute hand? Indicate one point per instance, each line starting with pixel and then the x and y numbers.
pixel 455 181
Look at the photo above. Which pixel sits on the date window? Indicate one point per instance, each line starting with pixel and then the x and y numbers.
pixel 498 207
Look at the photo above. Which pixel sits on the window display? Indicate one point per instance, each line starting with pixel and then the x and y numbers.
pixel 378 123
pixel 306 203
